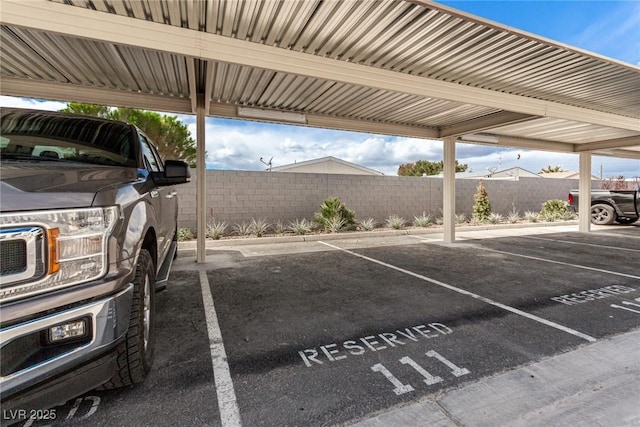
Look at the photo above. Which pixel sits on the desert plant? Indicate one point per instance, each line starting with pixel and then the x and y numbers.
pixel 335 224
pixel 555 208
pixel 548 217
pixel 333 208
pixel 243 229
pixel 395 221
pixel 423 220
pixel 495 218
pixel 513 216
pixel 569 215
pixel 184 234
pixel 259 227
pixel 460 218
pixel 531 216
pixel 439 220
pixel 481 205
pixel 279 227
pixel 368 224
pixel 300 226
pixel 215 230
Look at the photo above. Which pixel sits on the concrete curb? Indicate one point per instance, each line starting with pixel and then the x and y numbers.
pixel 192 244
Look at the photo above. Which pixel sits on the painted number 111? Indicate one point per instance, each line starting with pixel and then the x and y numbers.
pixel 400 388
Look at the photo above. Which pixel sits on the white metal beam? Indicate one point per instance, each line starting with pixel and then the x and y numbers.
pixel 85 23
pixel 625 154
pixel 483 123
pixel 208 87
pixel 630 141
pixel 330 122
pixel 92 95
pixel 516 142
pixel 193 89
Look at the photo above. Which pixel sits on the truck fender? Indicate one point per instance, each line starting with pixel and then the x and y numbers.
pixel 141 222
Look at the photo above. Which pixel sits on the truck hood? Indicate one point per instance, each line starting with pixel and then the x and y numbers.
pixel 52 185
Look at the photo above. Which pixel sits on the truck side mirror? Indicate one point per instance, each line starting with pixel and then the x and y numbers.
pixel 175 172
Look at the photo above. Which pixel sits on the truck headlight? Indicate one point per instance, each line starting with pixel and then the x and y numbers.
pixel 75 248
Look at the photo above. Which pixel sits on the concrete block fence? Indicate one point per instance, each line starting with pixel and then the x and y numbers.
pixel 237 196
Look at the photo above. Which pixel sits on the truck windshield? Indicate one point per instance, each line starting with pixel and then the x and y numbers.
pixel 31 136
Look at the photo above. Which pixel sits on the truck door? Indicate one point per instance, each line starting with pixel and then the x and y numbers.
pixel 163 199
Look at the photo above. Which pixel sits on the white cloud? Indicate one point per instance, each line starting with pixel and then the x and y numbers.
pixel 235 144
pixel 38 104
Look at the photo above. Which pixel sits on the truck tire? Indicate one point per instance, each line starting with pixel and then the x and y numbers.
pixel 602 214
pixel 135 353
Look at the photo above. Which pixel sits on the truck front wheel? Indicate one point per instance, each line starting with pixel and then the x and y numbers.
pixel 602 214
pixel 135 354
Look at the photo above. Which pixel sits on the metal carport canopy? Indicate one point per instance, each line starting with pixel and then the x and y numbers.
pixel 408 68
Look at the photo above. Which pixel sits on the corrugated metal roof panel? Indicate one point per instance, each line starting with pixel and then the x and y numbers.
pixel 37 55
pixel 430 41
pixel 427 40
pixel 562 130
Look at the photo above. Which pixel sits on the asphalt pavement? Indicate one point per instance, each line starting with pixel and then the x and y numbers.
pixel 526 326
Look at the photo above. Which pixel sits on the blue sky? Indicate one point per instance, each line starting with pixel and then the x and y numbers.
pixel 609 28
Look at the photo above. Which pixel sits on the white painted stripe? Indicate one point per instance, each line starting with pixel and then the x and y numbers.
pixel 552 261
pixel 229 412
pixel 626 236
pixel 423 238
pixel 470 294
pixel 582 244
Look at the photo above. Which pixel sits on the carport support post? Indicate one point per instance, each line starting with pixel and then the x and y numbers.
pixel 201 202
pixel 449 190
pixel 584 190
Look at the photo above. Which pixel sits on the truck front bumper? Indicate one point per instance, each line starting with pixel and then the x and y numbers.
pixel 59 372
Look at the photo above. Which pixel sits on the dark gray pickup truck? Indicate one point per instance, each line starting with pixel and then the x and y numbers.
pixel 88 214
pixel 609 206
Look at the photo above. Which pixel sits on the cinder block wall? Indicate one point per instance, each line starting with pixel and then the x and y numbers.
pixel 237 196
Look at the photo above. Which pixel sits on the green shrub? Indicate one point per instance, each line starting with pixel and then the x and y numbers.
pixel 215 230
pixel 495 218
pixel 368 224
pixel 331 211
pixel 279 228
pixel 300 226
pixel 513 216
pixel 460 218
pixel 259 227
pixel 553 209
pixel 423 220
pixel 481 205
pixel 184 234
pixel 531 216
pixel 243 229
pixel 394 221
pixel 335 224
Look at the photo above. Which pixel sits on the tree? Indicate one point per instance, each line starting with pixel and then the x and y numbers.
pixel 170 135
pixel 426 167
pixel 552 169
pixel 481 205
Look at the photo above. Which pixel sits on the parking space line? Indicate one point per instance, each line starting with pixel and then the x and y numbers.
pixel 467 293
pixel 581 243
pixel 626 236
pixel 568 264
pixel 227 403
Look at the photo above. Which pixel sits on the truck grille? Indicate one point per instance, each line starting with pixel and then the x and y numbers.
pixel 22 255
